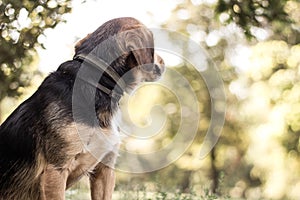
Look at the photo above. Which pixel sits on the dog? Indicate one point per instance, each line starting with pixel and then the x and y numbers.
pixel 66 129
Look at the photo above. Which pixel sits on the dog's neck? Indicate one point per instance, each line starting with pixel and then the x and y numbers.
pixel 91 99
pixel 106 107
pixel 110 82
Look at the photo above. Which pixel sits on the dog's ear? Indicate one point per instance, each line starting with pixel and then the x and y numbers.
pixel 80 42
pixel 139 40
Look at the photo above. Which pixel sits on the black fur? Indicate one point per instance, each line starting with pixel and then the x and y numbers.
pixel 34 128
pixel 27 133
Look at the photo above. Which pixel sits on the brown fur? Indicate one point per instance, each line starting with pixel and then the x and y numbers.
pixel 41 151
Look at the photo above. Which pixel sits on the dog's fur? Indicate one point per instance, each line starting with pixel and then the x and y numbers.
pixel 43 150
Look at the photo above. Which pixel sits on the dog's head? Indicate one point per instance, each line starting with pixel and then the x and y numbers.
pixel 128 47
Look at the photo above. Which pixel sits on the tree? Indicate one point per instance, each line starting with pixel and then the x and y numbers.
pixel 21 24
pixel 197 20
pixel 252 15
pixel 272 88
pixel 218 33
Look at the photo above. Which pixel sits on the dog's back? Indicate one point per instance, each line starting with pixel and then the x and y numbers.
pixel 17 154
pixel 28 136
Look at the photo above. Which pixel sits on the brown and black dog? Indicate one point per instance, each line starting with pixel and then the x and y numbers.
pixel 56 136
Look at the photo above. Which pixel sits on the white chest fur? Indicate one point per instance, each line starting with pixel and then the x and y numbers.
pixel 100 143
pixel 90 146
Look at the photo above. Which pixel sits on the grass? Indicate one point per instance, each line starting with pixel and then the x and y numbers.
pixel 81 192
pixel 141 192
pixel 143 195
pixel 161 195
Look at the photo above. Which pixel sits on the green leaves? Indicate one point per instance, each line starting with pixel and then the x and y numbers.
pixel 248 14
pixel 21 23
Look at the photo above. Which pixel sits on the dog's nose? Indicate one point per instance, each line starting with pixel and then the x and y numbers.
pixel 159 67
pixel 157 70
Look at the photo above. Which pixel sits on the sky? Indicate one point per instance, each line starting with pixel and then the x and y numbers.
pixel 88 16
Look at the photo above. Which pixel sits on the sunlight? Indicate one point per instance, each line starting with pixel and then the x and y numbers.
pixel 59 42
pixel 252 63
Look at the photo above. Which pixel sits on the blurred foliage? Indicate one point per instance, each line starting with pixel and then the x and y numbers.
pixel 194 18
pixel 273 15
pixel 262 128
pixel 21 24
pixel 258 153
pixel 270 107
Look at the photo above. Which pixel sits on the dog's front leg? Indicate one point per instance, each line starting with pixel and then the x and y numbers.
pixel 53 183
pixel 102 182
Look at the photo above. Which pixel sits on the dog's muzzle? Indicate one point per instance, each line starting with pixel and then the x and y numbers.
pixel 154 71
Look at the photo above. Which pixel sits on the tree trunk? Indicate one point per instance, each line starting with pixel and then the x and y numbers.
pixel 214 172
pixel 0 114
pixel 186 182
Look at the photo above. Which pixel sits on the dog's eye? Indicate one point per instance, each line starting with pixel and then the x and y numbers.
pixel 147 67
